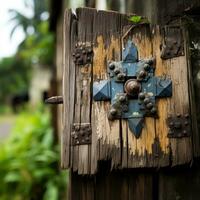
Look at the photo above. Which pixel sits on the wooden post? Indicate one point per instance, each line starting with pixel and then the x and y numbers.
pixel 116 165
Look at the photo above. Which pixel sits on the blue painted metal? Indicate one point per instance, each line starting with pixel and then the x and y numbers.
pixel 101 90
pixel 132 108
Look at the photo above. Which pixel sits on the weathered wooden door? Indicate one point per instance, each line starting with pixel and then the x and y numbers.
pixel 126 93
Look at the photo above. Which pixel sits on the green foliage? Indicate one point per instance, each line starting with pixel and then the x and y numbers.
pixel 138 19
pixel 14 76
pixel 135 19
pixel 38 47
pixel 29 161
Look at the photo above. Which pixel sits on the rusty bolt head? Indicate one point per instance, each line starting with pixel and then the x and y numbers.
pixel 177 125
pixel 117 70
pixel 149 105
pixel 146 100
pixel 122 98
pixel 77 55
pixel 89 50
pixel 184 132
pixel 77 128
pixel 132 87
pixel 146 67
pixel 111 66
pixel 153 110
pixel 76 136
pixel 186 115
pixel 141 96
pixel 142 74
pixel 150 61
pixel 113 111
pixel 121 76
pixel 88 58
pixel 186 123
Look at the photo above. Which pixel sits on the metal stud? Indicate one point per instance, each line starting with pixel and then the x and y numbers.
pixel 146 100
pixel 111 66
pixel 149 105
pixel 122 98
pixel 141 96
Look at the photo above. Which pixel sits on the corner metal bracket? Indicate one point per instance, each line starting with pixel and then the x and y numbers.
pixel 82 54
pixel 173 43
pixel 132 89
pixel 81 133
pixel 179 126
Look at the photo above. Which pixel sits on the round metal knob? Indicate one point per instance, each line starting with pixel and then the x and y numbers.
pixel 142 74
pixel 111 66
pixel 141 96
pixel 146 67
pixel 122 98
pixel 146 100
pixel 132 87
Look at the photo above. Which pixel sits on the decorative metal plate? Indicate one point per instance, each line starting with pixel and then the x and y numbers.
pixel 132 89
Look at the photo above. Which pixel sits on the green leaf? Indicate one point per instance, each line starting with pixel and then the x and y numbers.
pixel 135 19
pixel 12 177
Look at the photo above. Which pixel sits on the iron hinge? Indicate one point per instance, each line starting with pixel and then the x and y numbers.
pixel 179 126
pixel 81 133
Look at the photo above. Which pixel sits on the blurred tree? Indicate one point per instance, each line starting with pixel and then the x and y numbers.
pixel 14 77
pixel 36 48
pixel 29 24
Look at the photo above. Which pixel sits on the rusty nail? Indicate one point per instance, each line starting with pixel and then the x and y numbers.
pixel 54 100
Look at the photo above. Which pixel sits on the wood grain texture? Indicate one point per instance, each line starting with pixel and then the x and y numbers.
pixel 112 140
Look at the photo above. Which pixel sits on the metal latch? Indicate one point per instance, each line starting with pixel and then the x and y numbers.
pixel 132 89
pixel 81 133
pixel 179 126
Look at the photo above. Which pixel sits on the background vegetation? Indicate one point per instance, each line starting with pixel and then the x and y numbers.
pixel 29 160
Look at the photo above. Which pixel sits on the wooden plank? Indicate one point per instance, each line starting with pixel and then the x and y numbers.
pixel 68 86
pixel 140 150
pixel 192 34
pixel 163 154
pixel 85 28
pixel 107 47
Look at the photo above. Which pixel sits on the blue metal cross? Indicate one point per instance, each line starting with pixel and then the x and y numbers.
pixel 132 89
